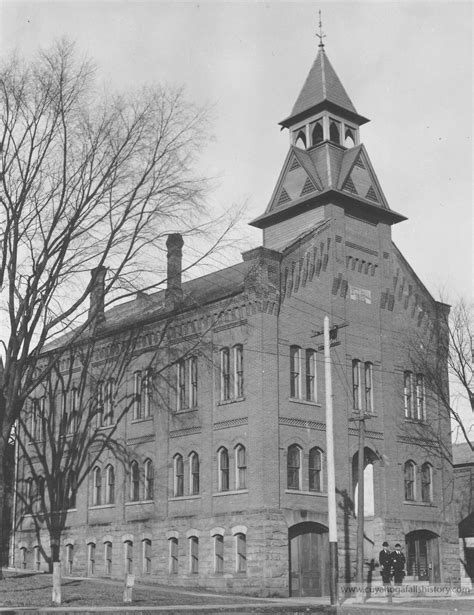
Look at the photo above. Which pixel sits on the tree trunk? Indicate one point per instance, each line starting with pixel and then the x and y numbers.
pixel 3 491
pixel 55 556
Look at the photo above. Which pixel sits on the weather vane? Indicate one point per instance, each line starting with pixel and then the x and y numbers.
pixel 320 35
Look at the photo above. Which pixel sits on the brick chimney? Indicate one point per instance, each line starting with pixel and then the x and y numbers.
pixel 96 305
pixel 174 245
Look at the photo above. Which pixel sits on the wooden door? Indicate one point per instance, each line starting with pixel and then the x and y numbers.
pixel 309 560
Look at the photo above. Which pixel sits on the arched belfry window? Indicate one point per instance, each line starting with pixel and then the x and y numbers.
pixel 334 133
pixel 317 135
pixel 301 140
pixel 349 138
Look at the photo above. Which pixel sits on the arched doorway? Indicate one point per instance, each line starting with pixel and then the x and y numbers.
pixel 422 555
pixel 371 465
pixel 308 559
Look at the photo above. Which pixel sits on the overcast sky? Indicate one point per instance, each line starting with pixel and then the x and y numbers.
pixel 407 66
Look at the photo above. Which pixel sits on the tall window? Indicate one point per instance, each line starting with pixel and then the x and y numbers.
pixel 69 558
pixel 356 392
pixel 64 426
pixel 23 559
pixel 294 467
pixel 241 548
pixel 420 397
pixel 187 385
pixel 369 394
pixel 317 133
pixel 109 402
pixel 178 476
pixel 238 371
pixel 426 483
pixel 97 487
pixel 110 485
pixel 223 458
pixel 134 482
pixel 218 554
pixel 147 392
pixel 173 546
pixel 100 403
pixel 408 394
pixel 137 395
pixel 91 558
pixel 410 481
pixel 241 467
pixel 193 554
pixel 194 473
pixel 314 469
pixel 311 386
pixel 71 496
pixel 225 374
pixel 149 480
pixel 108 558
pixel 295 372
pixel 146 564
pixel 334 132
pixel 74 409
pixel 37 558
pixel 128 557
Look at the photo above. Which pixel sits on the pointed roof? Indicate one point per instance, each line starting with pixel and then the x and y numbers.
pixel 322 90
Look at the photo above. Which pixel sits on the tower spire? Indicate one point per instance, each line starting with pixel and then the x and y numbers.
pixel 320 35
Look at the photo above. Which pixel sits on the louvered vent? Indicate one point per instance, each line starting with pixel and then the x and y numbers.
pixel 371 195
pixel 308 187
pixel 284 198
pixel 349 186
pixel 294 165
pixel 359 163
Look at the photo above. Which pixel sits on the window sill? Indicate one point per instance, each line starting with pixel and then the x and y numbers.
pixel 186 410
pixel 139 502
pixel 301 492
pixel 104 427
pixel 415 421
pixel 230 492
pixel 142 420
pixel 305 402
pixel 100 506
pixel 414 503
pixel 226 402
pixel 179 498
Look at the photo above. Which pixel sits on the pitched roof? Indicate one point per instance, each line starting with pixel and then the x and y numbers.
pixel 462 454
pixel 322 87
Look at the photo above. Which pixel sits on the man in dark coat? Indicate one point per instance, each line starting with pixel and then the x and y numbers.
pixel 385 561
pixel 398 564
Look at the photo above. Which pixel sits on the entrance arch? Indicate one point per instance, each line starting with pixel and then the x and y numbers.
pixel 308 559
pixel 422 551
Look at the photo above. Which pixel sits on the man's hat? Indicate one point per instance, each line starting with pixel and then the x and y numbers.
pixel 385 544
pixel 397 545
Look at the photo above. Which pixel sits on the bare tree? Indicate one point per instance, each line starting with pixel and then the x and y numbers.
pixel 88 180
pixel 452 346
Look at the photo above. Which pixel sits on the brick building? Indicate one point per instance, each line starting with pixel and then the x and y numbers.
pixel 225 485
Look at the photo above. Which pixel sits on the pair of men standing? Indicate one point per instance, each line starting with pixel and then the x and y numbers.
pixel 392 564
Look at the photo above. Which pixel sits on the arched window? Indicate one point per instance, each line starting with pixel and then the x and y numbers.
pixel 110 485
pixel 91 559
pixel 134 482
pixel 193 554
pixel 23 558
pixel 173 552
pixel 301 140
pixel 426 482
pixel 241 552
pixel 349 138
pixel 223 463
pixel 178 476
pixel 240 467
pixel 194 473
pixel 37 558
pixel 410 486
pixel 294 467
pixel 295 372
pixel 317 133
pixel 69 558
pixel 315 469
pixel 108 558
pixel 334 132
pixel 97 487
pixel 218 554
pixel 128 546
pixel 146 556
pixel 149 480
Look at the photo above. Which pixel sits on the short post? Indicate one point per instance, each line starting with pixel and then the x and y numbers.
pixel 128 587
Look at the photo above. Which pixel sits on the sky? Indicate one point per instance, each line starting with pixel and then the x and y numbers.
pixel 407 66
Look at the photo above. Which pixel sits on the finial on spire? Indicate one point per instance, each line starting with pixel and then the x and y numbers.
pixel 320 35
